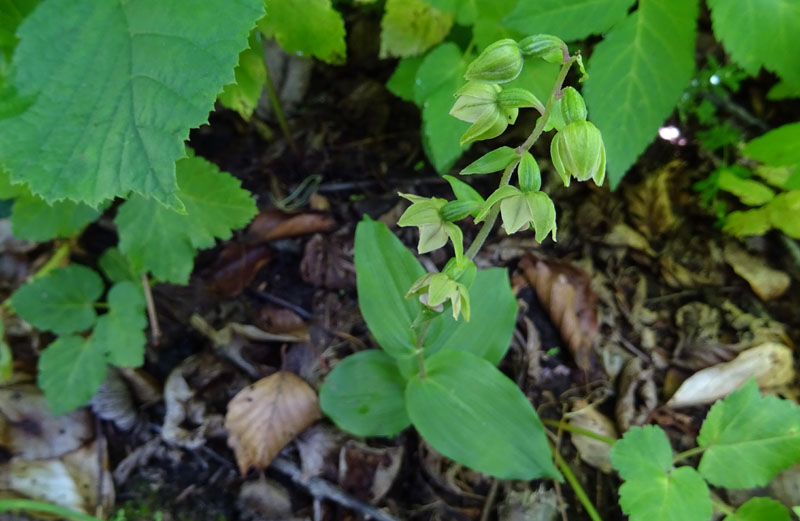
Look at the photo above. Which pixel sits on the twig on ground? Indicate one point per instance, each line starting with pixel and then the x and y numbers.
pixel 490 498
pixel 155 331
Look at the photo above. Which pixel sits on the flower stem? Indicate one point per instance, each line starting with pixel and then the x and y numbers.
pixel 491 218
pixel 577 430
pixel 576 486
pixel 687 454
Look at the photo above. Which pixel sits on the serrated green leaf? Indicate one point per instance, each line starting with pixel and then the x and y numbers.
pixel 61 301
pixel 760 33
pixel 636 76
pixel 653 489
pixel 251 73
pixel 760 509
pixel 411 27
pixel 364 395
pixel 749 439
pixel 492 317
pixel 778 147
pixel 115 65
pixel 472 413
pixel 117 267
pixel 568 19
pixel 309 27
pixel 33 219
pixel 490 162
pixel 784 213
pixel 70 371
pixel 385 271
pixel 438 77
pixel 120 332
pixel 161 241
pixel 749 191
pixel 401 83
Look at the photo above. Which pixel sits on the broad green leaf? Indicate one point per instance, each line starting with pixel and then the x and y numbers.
pixel 488 26
pixel 464 10
pixel 12 12
pixel 401 82
pixel 33 219
pixel 783 90
pixel 778 147
pixel 385 270
pixel 491 325
pixel 251 74
pixel 636 76
pixel 760 509
pixel 760 33
pixel 472 413
pixel 784 213
pixel 411 27
pixel 749 222
pixel 568 19
pixel 117 267
pixel 70 371
pixel 120 332
pixel 161 241
pixel 107 109
pixel 495 161
pixel 438 77
pixel 654 490
pixel 749 439
pixel 309 27
pixel 363 395
pixel 61 301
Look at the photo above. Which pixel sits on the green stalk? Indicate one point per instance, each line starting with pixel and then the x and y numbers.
pixel 575 484
pixel 278 110
pixel 491 218
pixel 46 508
pixel 577 430
pixel 687 454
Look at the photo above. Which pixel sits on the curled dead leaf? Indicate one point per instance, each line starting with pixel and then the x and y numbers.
pixel 369 472
pixel 592 451
pixel 265 416
pixel 649 203
pixel 638 395
pixel 767 283
pixel 274 224
pixel 771 364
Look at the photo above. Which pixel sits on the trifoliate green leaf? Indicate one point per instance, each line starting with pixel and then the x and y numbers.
pixel 117 267
pixel 654 490
pixel 636 76
pixel 778 147
pixel 749 439
pixel 136 76
pixel 161 241
pixel 251 73
pixel 61 301
pixel 411 27
pixel 120 332
pixel 760 509
pixel 309 27
pixel 70 371
pixel 495 161
pixel 784 213
pixel 760 33
pixel 401 83
pixel 438 77
pixel 568 19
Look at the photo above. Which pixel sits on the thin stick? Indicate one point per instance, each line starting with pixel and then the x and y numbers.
pixel 490 498
pixel 278 110
pixel 319 488
pixel 576 486
pixel 155 331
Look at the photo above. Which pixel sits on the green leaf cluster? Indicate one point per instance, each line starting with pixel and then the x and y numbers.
pixel 445 382
pixel 746 440
pixel 64 302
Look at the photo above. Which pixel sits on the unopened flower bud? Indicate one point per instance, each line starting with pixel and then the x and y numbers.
pixel 475 98
pixel 546 47
pixel 501 62
pixel 530 178
pixel 573 108
pixel 578 151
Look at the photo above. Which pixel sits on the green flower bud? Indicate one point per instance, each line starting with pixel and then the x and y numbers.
pixel 518 98
pixel 434 289
pixel 501 62
pixel 530 178
pixel 573 108
pixel 578 151
pixel 474 99
pixel 546 47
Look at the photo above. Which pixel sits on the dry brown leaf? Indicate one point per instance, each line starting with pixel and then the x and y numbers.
pixel 649 203
pixel 623 235
pixel 328 263
pixel 566 293
pixel 592 451
pixel 369 472
pixel 237 267
pixel 274 224
pixel 771 364
pixel 638 395
pixel 767 283
pixel 265 416
pixel 113 401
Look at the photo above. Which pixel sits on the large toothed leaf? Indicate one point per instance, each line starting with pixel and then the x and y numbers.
pixel 164 242
pixel 636 76
pixel 307 27
pixel 567 19
pixel 760 33
pixel 251 74
pixel 100 96
pixel 61 301
pixel 472 413
pixel 70 371
pixel 749 439
pixel 654 490
pixel 778 147
pixel 12 12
